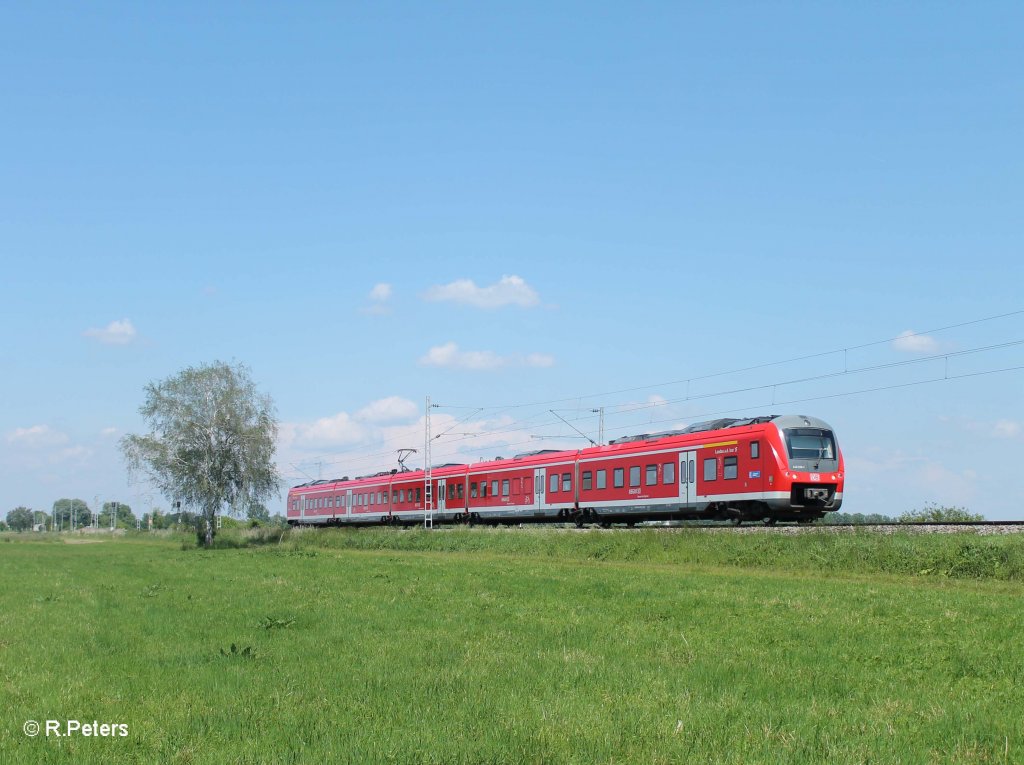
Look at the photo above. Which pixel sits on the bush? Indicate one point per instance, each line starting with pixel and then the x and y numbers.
pixel 933 513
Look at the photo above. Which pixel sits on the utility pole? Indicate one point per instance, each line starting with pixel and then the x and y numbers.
pixel 428 499
pixel 600 425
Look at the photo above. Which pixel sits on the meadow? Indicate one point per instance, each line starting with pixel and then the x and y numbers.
pixel 515 646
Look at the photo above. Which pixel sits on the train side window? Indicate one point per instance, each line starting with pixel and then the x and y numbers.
pixel 419 493
pixel 373 497
pixel 588 480
pixel 710 469
pixel 729 467
pixel 634 475
pixel 618 478
pixel 472 490
pixel 394 496
pixel 668 474
pixel 693 471
pixel 451 491
pixel 494 488
pixel 566 481
pixel 483 489
pixel 461 491
pixel 602 479
pixel 651 478
pixel 401 495
pixel 553 488
pixel 384 496
pixel 504 487
pixel 755 450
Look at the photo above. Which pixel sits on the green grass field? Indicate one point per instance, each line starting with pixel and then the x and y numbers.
pixel 489 646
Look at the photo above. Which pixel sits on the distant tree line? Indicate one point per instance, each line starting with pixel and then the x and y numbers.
pixel 25 519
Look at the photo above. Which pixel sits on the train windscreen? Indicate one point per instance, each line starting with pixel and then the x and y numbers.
pixel 810 444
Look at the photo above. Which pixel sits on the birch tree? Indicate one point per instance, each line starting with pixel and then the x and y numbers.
pixel 211 442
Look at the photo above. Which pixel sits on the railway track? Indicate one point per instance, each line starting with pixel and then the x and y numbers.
pixel 979 527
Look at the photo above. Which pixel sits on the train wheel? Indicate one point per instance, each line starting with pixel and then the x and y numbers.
pixel 770 521
pixel 737 521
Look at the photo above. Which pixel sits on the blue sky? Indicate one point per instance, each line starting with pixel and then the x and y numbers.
pixel 499 205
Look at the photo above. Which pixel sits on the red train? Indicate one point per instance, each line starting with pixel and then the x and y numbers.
pixel 772 468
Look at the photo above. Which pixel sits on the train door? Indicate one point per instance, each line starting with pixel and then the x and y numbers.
pixel 688 477
pixel 538 489
pixel 348 503
pixel 442 496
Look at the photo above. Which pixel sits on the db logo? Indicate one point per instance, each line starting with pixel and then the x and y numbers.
pixel 815 476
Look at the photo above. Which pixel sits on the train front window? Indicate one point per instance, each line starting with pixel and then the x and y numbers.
pixel 810 444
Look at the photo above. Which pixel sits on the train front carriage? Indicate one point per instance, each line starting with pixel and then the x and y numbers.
pixel 809 473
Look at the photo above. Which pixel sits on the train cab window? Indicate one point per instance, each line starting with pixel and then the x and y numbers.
pixel 588 480
pixel 634 475
pixel 566 481
pixel 651 478
pixel 710 469
pixel 729 467
pixel 461 491
pixel 618 478
pixel 602 479
pixel 668 474
pixel 755 450
pixel 504 487
pixel 553 488
pixel 494 488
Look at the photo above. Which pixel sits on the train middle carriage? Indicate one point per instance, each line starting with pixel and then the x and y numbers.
pixel 768 468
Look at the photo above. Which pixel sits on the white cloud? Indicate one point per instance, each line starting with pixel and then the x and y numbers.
pixel 380 292
pixel 1006 429
pixel 913 342
pixel 37 436
pixel 116 333
pixel 450 355
pixel 539 360
pixel 337 430
pixel 509 290
pixel 388 409
pixel 108 432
